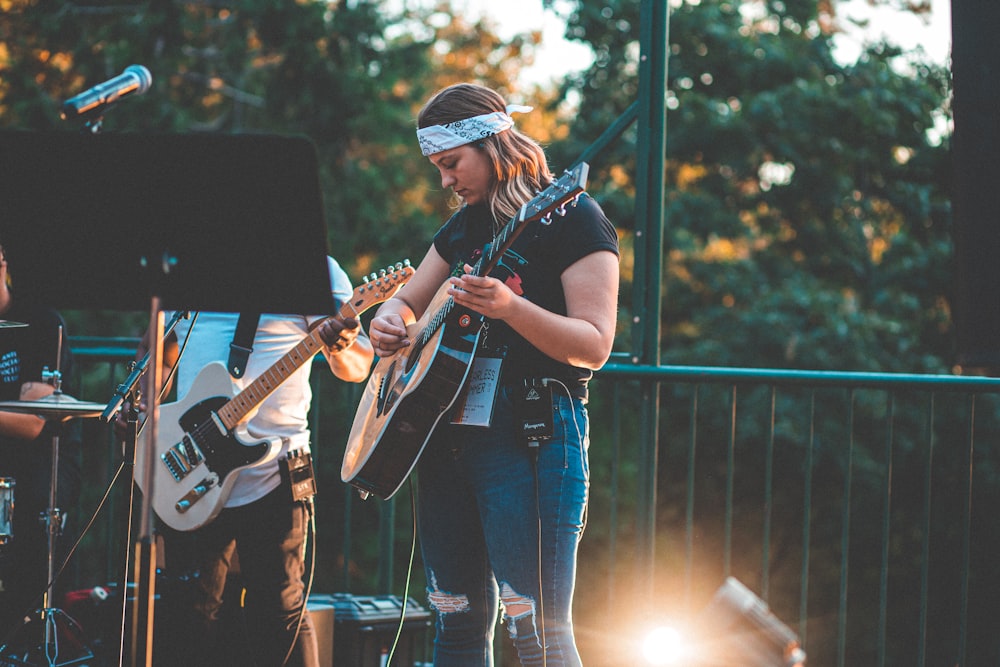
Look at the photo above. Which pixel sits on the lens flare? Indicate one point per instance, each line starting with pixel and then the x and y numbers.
pixel 664 646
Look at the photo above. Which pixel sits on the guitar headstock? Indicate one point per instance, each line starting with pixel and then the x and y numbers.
pixel 555 197
pixel 552 199
pixel 379 287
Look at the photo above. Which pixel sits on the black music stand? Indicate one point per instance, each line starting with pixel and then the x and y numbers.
pixel 137 222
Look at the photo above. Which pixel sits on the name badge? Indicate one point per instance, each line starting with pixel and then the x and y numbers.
pixel 474 407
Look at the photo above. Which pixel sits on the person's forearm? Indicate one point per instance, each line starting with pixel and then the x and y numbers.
pixel 354 363
pixel 21 426
pixel 576 342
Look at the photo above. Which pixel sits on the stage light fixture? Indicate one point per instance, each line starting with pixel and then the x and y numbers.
pixel 747 633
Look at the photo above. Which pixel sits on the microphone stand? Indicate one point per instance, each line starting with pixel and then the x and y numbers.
pixel 129 392
pixel 129 385
pixel 145 547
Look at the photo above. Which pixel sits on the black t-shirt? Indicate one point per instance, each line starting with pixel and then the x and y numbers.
pixel 532 268
pixel 25 351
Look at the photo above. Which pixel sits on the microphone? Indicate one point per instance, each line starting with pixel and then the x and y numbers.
pixel 135 80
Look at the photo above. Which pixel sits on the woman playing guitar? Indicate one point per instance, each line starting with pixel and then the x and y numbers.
pixel 503 480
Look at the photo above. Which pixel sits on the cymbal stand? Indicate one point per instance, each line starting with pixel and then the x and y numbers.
pixel 52 518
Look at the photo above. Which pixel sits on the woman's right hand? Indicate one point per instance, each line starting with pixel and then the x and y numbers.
pixel 388 334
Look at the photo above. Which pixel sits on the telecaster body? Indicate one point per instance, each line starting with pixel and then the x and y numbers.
pixel 196 457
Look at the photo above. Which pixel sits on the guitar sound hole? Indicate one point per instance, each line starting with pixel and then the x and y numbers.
pixel 386 394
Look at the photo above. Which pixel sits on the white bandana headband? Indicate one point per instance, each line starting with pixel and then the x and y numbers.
pixel 437 138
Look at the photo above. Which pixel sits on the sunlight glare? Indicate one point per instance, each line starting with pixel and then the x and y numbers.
pixel 664 646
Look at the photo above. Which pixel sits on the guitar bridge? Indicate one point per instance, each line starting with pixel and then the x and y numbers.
pixel 182 458
pixel 196 494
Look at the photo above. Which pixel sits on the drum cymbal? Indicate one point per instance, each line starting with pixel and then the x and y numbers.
pixel 7 324
pixel 55 405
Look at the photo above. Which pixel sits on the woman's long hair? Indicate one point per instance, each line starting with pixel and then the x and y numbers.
pixel 520 169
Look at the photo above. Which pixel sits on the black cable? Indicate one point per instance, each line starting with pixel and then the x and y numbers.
pixel 310 509
pixel 538 513
pixel 165 385
pixel 534 445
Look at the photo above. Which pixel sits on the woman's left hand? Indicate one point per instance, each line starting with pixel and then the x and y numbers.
pixel 485 295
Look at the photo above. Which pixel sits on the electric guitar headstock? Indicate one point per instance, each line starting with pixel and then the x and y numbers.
pixel 377 287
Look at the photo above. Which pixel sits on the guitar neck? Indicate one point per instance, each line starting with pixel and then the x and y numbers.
pixel 376 289
pixel 234 411
pixel 504 240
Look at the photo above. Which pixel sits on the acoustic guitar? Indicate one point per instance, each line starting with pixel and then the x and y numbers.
pixel 408 392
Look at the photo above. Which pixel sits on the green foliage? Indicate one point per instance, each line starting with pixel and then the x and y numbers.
pixel 806 198
pixel 807 212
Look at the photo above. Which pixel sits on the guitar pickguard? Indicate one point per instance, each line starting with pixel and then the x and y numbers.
pixel 208 450
pixel 221 450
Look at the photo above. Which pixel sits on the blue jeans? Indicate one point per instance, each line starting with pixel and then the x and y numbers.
pixel 484 498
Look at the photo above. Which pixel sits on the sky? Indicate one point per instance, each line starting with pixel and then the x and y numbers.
pixel 557 57
pixel 903 29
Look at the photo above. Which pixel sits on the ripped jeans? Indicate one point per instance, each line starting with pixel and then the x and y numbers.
pixel 480 514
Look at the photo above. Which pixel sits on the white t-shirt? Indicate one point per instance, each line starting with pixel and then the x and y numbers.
pixel 284 413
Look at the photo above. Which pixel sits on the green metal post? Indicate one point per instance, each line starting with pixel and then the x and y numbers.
pixel 651 127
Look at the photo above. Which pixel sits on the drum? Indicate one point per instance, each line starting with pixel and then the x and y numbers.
pixel 6 510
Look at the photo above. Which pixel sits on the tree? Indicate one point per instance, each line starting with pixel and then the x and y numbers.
pixel 807 220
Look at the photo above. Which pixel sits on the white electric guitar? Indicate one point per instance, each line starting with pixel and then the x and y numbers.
pixel 202 442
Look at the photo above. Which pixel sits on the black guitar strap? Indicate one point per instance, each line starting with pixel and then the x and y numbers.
pixel 242 345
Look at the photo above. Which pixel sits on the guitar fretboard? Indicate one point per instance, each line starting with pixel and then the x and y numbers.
pixel 376 289
pixel 233 412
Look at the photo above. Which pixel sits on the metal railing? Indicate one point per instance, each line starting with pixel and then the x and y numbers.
pixel 859 506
